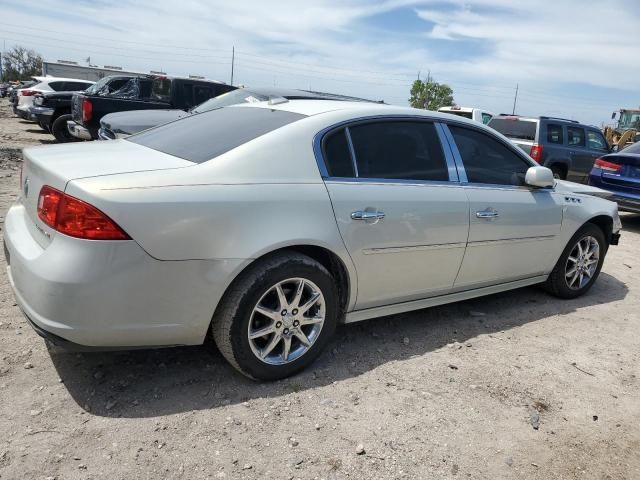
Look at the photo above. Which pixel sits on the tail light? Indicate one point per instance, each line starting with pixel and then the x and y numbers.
pixel 536 152
pixel 28 93
pixel 73 217
pixel 607 166
pixel 87 110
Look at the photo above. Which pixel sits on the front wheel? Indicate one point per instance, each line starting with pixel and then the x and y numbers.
pixel 580 263
pixel 277 316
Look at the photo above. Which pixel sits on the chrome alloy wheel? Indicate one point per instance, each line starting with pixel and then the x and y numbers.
pixel 582 262
pixel 286 321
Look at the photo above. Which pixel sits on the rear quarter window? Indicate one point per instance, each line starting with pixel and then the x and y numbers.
pixel 515 128
pixel 202 137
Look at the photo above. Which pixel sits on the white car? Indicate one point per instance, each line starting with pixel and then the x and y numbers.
pixel 267 224
pixel 475 114
pixel 47 84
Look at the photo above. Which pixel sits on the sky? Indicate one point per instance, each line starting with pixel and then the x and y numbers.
pixel 568 58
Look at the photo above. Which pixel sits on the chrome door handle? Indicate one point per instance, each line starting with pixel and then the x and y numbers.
pixel 367 215
pixel 489 213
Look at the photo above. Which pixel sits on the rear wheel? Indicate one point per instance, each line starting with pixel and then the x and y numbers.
pixel 60 131
pixel 277 316
pixel 580 263
pixel 43 126
pixel 559 173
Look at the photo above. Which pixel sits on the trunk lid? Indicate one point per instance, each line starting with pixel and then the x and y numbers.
pixel 56 165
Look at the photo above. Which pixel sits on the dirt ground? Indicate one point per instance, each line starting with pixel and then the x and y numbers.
pixel 516 385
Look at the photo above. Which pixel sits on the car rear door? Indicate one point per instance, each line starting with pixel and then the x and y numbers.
pixel 399 207
pixel 513 228
pixel 581 158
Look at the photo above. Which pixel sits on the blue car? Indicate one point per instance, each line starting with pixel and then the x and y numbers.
pixel 619 173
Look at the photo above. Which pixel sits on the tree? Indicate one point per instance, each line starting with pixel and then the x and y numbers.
pixel 20 63
pixel 430 94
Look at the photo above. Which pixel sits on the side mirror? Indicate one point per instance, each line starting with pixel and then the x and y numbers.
pixel 541 177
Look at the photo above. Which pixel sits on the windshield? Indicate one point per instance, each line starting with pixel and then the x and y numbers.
pixel 230 98
pixel 515 128
pixel 629 120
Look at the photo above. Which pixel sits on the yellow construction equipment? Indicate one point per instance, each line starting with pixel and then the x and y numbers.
pixel 627 130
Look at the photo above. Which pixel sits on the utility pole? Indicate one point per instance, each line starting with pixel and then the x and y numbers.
pixel 233 60
pixel 515 100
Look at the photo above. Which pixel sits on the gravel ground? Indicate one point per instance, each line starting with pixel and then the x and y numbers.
pixel 516 385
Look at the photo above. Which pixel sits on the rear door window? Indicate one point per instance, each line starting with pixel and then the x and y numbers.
pixel 555 134
pixel 199 138
pixel 403 150
pixel 575 137
pixel 57 86
pixel 337 155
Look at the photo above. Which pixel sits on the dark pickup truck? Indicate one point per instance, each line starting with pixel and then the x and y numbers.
pixel 52 111
pixel 138 93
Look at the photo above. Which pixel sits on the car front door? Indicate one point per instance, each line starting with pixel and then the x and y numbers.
pixel 403 218
pixel 513 227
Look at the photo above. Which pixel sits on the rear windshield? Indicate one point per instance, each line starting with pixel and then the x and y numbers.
pixel 230 98
pixel 514 128
pixel 199 138
pixel 460 114
pixel 633 148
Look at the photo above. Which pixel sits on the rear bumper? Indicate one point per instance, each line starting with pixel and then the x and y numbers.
pixel 41 114
pixel 23 113
pixel 627 201
pixel 109 294
pixel 79 131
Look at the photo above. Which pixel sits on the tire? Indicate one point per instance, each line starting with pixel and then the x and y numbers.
pixel 43 126
pixel 561 283
pixel 558 172
pixel 256 287
pixel 60 131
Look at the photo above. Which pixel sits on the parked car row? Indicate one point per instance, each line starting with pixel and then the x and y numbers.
pixel 122 105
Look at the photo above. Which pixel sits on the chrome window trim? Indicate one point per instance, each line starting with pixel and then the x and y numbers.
pixel 448 152
pixel 352 151
pixel 390 181
pixel 324 173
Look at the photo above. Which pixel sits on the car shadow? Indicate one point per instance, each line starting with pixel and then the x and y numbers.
pixel 630 223
pixel 149 383
pixel 36 130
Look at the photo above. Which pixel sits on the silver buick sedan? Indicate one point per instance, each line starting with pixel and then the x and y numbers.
pixel 267 224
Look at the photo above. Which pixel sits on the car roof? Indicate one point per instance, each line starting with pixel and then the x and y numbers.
pixel 62 79
pixel 352 109
pixel 297 94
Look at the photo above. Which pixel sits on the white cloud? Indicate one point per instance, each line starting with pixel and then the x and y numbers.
pixel 325 45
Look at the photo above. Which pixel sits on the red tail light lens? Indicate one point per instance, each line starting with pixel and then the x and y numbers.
pixel 28 93
pixel 73 217
pixel 87 110
pixel 607 166
pixel 536 152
